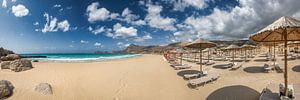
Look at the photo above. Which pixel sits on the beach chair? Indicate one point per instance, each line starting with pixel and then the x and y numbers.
pixel 210 63
pixel 203 80
pixel 204 62
pixel 271 92
pixel 225 66
pixel 182 66
pixel 267 67
pixel 236 65
pixel 196 75
pixel 279 66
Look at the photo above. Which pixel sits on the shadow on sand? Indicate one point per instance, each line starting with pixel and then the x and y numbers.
pixel 235 92
pixel 181 73
pixel 296 68
pixel 254 69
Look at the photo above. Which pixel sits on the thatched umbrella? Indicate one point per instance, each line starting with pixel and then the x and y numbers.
pixel 234 48
pixel 201 44
pixel 282 30
pixel 246 47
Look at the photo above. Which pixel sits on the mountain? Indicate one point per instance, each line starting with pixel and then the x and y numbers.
pixel 156 49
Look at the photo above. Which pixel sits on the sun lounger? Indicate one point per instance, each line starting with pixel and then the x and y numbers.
pixel 267 67
pixel 236 65
pixel 229 65
pixel 203 62
pixel 271 92
pixel 203 80
pixel 189 76
pixel 220 59
pixel 296 91
pixel 210 63
pixel 184 66
pixel 279 66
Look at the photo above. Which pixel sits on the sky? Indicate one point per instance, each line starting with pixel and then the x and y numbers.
pixel 83 26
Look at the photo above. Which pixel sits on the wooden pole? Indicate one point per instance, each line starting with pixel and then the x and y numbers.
pixel 285 64
pixel 200 59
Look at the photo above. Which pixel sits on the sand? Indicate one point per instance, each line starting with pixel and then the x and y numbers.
pixel 147 77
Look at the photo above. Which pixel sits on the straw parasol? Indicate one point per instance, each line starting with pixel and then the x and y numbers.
pixel 246 47
pixel 282 30
pixel 234 48
pixel 201 44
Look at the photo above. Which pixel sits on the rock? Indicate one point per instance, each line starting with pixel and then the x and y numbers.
pixel 5 64
pixel 35 61
pixel 10 57
pixel 4 52
pixel 44 88
pixel 20 65
pixel 6 89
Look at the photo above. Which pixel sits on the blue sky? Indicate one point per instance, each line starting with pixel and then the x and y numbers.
pixel 50 26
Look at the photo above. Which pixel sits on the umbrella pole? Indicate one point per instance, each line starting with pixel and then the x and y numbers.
pixel 245 55
pixel 200 59
pixel 274 54
pixel 208 55
pixel 285 64
pixel 181 55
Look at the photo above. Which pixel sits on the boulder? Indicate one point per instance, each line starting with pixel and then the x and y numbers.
pixel 20 65
pixel 44 88
pixel 5 64
pixel 6 89
pixel 10 57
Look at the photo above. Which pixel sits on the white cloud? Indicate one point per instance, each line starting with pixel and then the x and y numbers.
pixel 247 18
pixel 71 46
pixel 20 10
pixel 56 5
pixel 52 24
pixel 36 23
pixel 4 4
pixel 155 20
pixel 63 25
pixel 99 14
pixel 97 30
pixel 131 18
pixel 124 32
pixel 122 45
pixel 84 42
pixel 180 5
pixel 143 38
pixel 13 1
pixel 98 45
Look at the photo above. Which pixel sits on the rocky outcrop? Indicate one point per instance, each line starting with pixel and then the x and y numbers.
pixel 20 65
pixel 5 64
pixel 44 88
pixel 6 89
pixel 4 52
pixel 16 65
pixel 10 57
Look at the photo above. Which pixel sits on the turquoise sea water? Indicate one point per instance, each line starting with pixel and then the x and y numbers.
pixel 79 57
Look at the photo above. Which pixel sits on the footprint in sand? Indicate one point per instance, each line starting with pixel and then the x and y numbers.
pixel 123 85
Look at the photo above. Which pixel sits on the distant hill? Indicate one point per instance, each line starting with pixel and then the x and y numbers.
pixel 156 49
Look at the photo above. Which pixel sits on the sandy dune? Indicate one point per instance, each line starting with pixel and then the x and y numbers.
pixel 147 77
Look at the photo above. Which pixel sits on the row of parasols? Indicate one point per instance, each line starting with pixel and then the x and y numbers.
pixel 285 30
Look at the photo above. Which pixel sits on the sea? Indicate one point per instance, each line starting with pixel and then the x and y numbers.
pixel 78 57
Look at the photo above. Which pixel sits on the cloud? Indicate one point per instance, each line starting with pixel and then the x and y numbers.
pixel 143 38
pixel 241 21
pixel 180 5
pixel 13 1
pixel 122 45
pixel 84 42
pixel 154 19
pixel 56 6
pixel 131 18
pixel 20 10
pixel 52 24
pixel 97 30
pixel 63 25
pixel 124 32
pixel 99 14
pixel 98 45
pixel 4 4
pixel 36 23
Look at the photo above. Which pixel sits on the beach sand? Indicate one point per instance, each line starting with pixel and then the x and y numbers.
pixel 147 77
